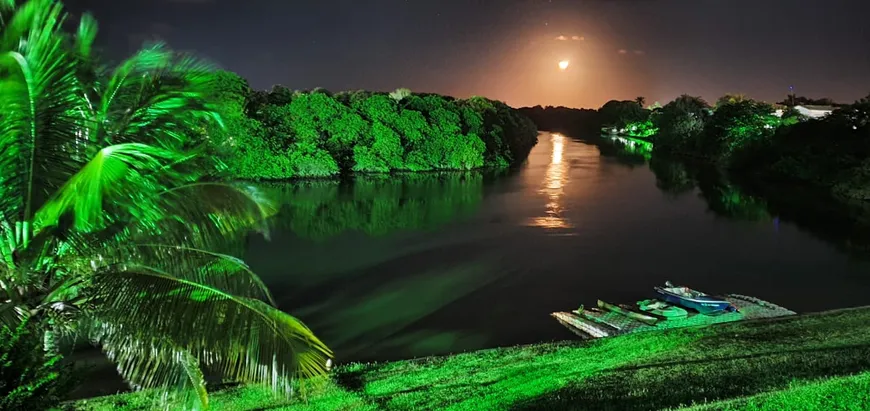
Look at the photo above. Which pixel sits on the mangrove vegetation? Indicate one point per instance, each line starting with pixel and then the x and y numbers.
pixel 283 134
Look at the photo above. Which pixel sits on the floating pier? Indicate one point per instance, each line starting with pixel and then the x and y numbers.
pixel 597 323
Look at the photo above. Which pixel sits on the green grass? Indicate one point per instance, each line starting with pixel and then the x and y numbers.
pixel 805 362
pixel 839 393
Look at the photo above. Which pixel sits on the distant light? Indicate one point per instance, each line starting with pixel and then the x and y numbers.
pixel 564 64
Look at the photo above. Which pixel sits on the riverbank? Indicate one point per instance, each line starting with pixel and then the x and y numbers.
pixel 766 364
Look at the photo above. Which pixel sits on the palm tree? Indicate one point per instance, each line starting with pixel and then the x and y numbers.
pixel 640 100
pixel 107 229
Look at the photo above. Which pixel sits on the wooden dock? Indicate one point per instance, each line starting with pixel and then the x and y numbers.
pixel 597 323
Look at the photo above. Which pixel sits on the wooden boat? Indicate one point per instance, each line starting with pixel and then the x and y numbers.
pixel 575 321
pixel 663 309
pixel 696 300
pixel 596 315
pixel 628 313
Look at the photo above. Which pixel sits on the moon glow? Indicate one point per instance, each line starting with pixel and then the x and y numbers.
pixel 564 64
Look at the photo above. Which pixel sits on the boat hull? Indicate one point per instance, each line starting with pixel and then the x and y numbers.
pixel 703 305
pixel 628 313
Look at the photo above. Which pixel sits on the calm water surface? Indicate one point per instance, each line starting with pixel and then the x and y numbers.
pixel 421 265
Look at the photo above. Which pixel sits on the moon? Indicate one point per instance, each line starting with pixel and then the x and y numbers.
pixel 564 64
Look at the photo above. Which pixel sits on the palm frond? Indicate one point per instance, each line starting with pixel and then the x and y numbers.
pixel 87 33
pixel 157 97
pixel 127 174
pixel 40 109
pixel 221 271
pixel 240 339
pixel 208 214
pixel 11 314
pixel 7 7
pixel 165 366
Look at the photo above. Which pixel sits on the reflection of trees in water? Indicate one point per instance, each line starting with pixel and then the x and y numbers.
pixel 376 205
pixel 672 177
pixel 675 177
pixel 845 225
pixel 622 150
pixel 722 196
pixel 373 309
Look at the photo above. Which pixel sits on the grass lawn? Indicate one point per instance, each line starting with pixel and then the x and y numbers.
pixel 815 361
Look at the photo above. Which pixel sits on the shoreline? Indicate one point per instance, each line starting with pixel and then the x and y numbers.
pixel 714 366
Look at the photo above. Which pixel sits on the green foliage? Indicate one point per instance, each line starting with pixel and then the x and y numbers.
pixel 108 231
pixel 322 135
pixel 681 123
pixel 306 159
pixel 618 114
pixel 642 129
pixel 735 125
pixel 832 152
pixel 30 378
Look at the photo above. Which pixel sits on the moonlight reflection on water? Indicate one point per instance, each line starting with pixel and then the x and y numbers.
pixel 553 187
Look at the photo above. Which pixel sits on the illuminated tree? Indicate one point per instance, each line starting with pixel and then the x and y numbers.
pixel 108 231
pixel 737 123
pixel 619 113
pixel 681 123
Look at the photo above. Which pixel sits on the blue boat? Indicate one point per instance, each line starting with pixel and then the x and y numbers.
pixel 696 300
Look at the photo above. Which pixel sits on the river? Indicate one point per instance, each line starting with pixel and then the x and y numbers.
pixel 391 268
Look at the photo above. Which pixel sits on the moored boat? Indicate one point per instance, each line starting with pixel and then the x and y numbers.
pixel 662 309
pixel 597 316
pixel 696 300
pixel 586 326
pixel 628 313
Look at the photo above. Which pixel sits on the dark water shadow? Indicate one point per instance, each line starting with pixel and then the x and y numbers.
pixel 843 224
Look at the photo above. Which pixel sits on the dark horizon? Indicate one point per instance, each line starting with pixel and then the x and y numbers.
pixel 509 49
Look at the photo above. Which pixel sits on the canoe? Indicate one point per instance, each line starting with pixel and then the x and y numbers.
pixel 646 319
pixel 574 321
pixel 696 300
pixel 662 309
pixel 635 308
pixel 598 316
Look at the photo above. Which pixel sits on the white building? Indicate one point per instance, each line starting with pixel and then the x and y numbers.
pixel 814 111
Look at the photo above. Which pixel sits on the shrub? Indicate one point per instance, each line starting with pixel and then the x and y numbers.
pixel 30 378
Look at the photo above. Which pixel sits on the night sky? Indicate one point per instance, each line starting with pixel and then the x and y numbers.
pixel 510 49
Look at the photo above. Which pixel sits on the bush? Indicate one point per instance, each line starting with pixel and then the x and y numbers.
pixel 30 379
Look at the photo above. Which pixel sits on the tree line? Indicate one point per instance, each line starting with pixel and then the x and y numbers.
pixel 741 135
pixel 282 133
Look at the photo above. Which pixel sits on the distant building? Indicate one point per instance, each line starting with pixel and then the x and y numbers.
pixel 814 111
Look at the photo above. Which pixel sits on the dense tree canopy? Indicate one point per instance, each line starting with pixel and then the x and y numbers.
pixel 618 114
pixel 284 134
pixel 681 123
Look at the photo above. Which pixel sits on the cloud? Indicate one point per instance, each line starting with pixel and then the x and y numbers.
pixel 574 38
pixel 561 38
pixel 578 38
pixel 639 52
pixel 622 51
